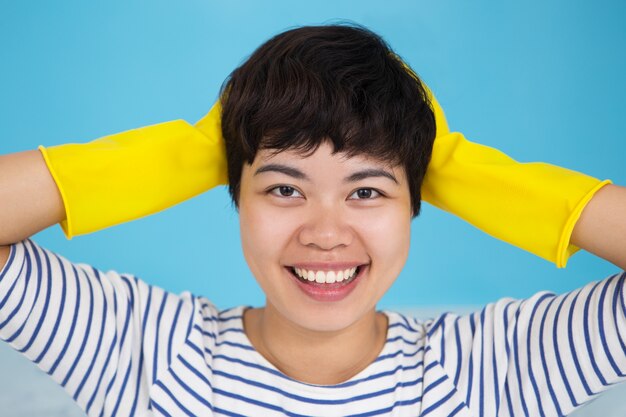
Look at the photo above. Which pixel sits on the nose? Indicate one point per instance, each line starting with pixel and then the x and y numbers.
pixel 326 229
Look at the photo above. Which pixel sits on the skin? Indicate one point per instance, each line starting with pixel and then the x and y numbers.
pixel 601 228
pixel 321 219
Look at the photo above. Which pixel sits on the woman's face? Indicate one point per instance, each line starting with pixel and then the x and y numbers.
pixel 320 217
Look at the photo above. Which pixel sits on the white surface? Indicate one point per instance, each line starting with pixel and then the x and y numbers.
pixel 26 391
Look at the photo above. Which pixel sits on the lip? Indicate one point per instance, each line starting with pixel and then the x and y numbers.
pixel 329 292
pixel 327 266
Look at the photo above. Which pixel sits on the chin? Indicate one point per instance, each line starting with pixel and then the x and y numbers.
pixel 327 319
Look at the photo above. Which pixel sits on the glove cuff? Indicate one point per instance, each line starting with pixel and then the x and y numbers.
pixel 566 249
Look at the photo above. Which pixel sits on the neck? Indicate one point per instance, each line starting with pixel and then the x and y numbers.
pixel 298 352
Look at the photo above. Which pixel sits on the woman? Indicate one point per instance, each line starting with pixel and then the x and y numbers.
pixel 328 137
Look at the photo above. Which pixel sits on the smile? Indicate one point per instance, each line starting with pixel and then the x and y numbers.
pixel 325 277
pixel 327 286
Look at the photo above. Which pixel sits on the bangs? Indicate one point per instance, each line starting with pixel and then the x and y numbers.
pixel 351 137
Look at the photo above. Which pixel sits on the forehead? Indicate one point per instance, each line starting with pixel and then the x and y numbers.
pixel 324 153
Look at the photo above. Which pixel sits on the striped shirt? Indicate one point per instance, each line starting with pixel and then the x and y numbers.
pixel 121 347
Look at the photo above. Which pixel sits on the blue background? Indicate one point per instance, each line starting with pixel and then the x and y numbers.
pixel 542 81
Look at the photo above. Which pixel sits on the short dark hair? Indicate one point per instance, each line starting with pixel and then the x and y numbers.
pixel 340 83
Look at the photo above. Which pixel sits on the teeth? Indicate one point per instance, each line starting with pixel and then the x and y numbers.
pixel 325 277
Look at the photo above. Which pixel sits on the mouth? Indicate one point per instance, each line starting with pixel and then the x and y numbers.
pixel 326 279
pixel 319 285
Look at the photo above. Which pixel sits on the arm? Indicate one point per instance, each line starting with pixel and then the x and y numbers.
pixel 30 198
pixel 601 228
pixel 81 326
pixel 549 354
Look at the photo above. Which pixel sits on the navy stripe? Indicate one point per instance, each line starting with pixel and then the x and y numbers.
pixel 253 401
pixel 44 311
pixel 529 350
pixel 106 362
pixel 481 382
pixel 402 353
pixel 196 372
pixel 188 389
pixel 159 408
pixel 572 346
pixel 601 324
pixel 99 335
pixel 217 410
pixel 235 345
pixel 85 336
pixel 438 404
pixel 516 345
pixel 58 316
pixel 586 323
pixel 173 398
pixel 404 327
pixel 310 400
pixel 442 348
pixel 123 388
pixel 459 352
pixel 496 385
pixel 390 409
pixel 129 308
pixel 342 385
pixel 141 355
pixel 544 362
pixel 557 354
pixel 220 319
pixel 396 338
pixel 197 349
pixel 435 326
pixel 75 316
pixel 169 342
pixel 156 337
pixel 456 410
pixel 507 392
pixel 470 372
pixel 205 332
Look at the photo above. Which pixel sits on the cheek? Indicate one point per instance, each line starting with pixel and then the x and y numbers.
pixel 387 239
pixel 263 235
pixel 388 231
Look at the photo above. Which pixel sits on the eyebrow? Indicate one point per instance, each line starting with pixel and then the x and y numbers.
pixel 354 177
pixel 370 172
pixel 283 169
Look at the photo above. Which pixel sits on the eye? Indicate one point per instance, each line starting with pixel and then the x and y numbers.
pixel 284 191
pixel 366 194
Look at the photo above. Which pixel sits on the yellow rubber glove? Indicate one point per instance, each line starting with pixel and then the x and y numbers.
pixel 533 206
pixel 132 174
